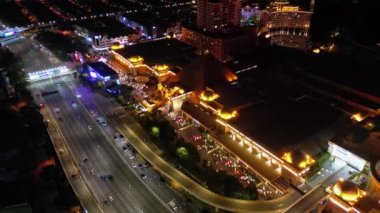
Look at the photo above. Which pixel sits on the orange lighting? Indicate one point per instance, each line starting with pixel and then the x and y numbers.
pixel 227 115
pixel 135 59
pixel 231 77
pixel 161 67
pixel 287 156
pixel 289 9
pixel 117 46
pixel 316 50
pixel 347 190
pixel 307 162
pixel 358 117
pixel 208 97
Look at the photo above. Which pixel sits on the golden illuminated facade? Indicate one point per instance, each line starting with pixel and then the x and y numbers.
pixel 302 161
pixel 286 25
pixel 346 197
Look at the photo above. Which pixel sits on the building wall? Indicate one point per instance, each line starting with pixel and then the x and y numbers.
pixel 213 45
pixel 286 26
pixel 220 48
pixel 214 15
pixel 374 184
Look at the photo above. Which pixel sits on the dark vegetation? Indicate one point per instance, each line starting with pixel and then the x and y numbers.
pixel 30 171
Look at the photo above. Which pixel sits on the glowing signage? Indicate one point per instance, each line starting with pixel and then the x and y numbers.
pixel 10 33
pixel 93 74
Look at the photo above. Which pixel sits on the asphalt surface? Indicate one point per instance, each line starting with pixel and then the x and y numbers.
pixel 128 190
pixel 311 198
pixel 35 57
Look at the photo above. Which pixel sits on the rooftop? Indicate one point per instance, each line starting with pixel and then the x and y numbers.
pixel 102 69
pixel 147 19
pixel 362 139
pixel 202 71
pixel 165 51
pixel 280 123
pixel 105 26
pixel 277 115
pixel 230 33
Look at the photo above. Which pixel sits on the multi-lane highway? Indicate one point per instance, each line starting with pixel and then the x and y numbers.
pixel 92 150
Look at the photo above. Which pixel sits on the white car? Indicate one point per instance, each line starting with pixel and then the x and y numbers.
pixel 110 198
pixel 89 127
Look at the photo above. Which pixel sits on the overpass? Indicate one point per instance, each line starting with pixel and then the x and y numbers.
pixel 49 73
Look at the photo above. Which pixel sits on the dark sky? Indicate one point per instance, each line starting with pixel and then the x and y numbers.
pixel 358 18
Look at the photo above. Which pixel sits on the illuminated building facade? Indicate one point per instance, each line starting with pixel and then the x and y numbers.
pixel 101 72
pixel 103 33
pixel 213 15
pixel 345 196
pixel 286 25
pixel 220 45
pixel 10 35
pixel 250 15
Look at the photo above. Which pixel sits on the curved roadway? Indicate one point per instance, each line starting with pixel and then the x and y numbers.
pixel 130 128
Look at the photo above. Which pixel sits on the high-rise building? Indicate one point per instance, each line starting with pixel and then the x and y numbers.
pixel 213 15
pixel 286 25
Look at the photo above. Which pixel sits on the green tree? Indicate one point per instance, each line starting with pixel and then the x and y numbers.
pixel 183 153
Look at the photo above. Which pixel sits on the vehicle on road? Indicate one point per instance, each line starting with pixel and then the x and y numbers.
pixel 143 176
pixel 122 137
pixel 124 148
pixel 109 176
pixel 59 118
pixel 110 198
pixel 85 160
pixel 89 127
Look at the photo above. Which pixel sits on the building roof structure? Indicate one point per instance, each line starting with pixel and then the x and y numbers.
pixel 106 26
pixel 102 69
pixel 165 51
pixel 362 139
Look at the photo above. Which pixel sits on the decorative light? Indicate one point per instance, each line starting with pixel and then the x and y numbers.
pixel 135 59
pixel 208 97
pixel 227 115
pixel 358 117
